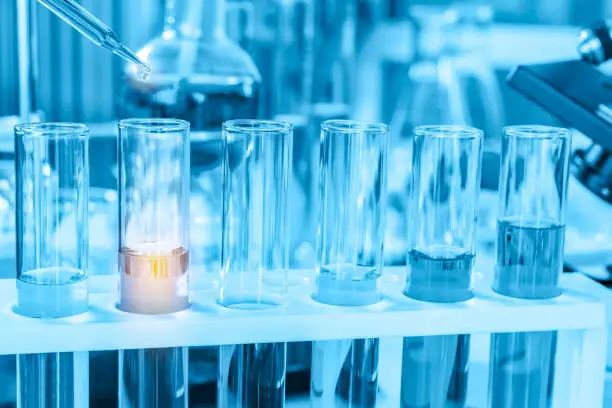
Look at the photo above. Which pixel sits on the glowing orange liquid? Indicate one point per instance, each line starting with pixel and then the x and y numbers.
pixel 153 282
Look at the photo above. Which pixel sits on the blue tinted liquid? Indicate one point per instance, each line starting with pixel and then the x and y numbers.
pixel 529 265
pixel 348 285
pixel 529 259
pixel 440 274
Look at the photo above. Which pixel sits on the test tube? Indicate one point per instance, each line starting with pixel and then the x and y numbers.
pixel 441 249
pixel 255 254
pixel 52 168
pixel 530 242
pixel 352 192
pixel 52 249
pixel 153 252
pixel 153 215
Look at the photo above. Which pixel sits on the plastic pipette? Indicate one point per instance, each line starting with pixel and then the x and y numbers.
pixel 95 30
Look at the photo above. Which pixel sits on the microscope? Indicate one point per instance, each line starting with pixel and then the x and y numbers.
pixel 579 93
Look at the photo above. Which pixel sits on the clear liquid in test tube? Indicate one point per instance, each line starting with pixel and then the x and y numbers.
pixel 441 250
pixel 52 221
pixel 530 242
pixel 52 253
pixel 352 192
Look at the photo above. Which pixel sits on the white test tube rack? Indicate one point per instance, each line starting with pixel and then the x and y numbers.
pixel 578 315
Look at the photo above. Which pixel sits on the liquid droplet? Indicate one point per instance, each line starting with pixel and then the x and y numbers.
pixel 143 71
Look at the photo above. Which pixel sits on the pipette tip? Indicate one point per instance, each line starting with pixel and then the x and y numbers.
pixel 143 70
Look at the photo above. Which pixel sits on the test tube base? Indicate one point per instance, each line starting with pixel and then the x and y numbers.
pixel 152 281
pixel 68 296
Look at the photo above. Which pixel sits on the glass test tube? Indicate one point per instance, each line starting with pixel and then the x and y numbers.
pixel 52 169
pixel 153 252
pixel 255 254
pixel 443 210
pixel 530 242
pixel 153 215
pixel 352 191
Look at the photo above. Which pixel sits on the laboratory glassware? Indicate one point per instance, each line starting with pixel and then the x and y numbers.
pixel 94 30
pixel 352 191
pixel 335 44
pixel 28 60
pixel 52 166
pixel 153 215
pixel 430 93
pixel 443 208
pixel 153 252
pixel 325 29
pixel 290 80
pixel 201 76
pixel 256 174
pixel 254 254
pixel 451 81
pixel 530 243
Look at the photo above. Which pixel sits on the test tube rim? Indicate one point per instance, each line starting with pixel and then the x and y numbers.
pixel 154 125
pixel 448 132
pixel 257 126
pixel 537 132
pixel 347 126
pixel 53 130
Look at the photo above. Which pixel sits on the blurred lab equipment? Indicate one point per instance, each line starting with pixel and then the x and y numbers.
pixel 201 76
pixel 291 72
pixel 94 30
pixel 595 42
pixel 314 65
pixel 530 244
pixel 103 226
pixel 451 81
